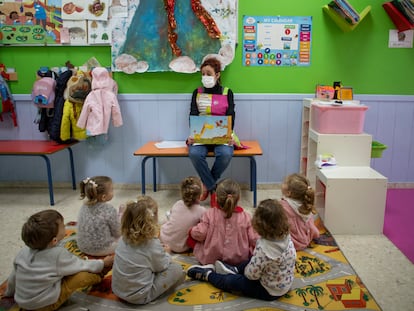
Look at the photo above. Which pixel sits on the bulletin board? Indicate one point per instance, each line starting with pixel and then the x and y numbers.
pixel 49 22
pixel 277 40
pixel 357 58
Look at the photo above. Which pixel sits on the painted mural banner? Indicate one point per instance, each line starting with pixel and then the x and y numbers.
pixel 173 35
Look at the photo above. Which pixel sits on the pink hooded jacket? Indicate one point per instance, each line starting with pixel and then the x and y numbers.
pixel 100 104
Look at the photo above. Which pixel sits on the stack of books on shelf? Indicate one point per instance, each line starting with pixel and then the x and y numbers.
pixel 401 13
pixel 344 9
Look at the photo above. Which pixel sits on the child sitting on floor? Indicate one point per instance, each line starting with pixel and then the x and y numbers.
pixel 45 275
pixel 269 273
pixel 298 198
pixel 99 225
pixel 184 214
pixel 224 233
pixel 143 270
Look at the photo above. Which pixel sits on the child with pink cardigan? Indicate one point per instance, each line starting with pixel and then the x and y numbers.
pixel 297 201
pixel 183 215
pixel 225 233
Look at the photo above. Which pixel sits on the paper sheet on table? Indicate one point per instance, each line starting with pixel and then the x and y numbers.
pixel 170 144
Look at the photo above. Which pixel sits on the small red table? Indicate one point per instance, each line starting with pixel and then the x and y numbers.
pixel 41 148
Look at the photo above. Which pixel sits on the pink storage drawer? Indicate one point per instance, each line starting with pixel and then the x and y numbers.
pixel 346 119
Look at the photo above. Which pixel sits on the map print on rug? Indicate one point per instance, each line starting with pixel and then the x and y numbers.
pixel 324 280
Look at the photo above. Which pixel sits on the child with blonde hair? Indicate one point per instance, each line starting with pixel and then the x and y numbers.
pixel 45 274
pixel 99 225
pixel 184 214
pixel 270 272
pixel 143 270
pixel 224 233
pixel 297 201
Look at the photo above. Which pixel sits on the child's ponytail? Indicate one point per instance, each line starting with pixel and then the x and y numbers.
pixel 228 195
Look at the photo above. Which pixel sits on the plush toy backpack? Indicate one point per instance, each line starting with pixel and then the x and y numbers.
pixel 7 102
pixel 78 88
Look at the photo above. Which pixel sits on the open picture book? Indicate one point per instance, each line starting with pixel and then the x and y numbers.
pixel 213 130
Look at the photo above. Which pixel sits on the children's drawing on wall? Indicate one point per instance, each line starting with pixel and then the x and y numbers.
pixel 85 9
pixel 172 35
pixel 77 31
pixel 400 39
pixel 30 22
pixel 119 8
pixel 99 32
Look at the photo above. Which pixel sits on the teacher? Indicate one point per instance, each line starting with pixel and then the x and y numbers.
pixel 211 99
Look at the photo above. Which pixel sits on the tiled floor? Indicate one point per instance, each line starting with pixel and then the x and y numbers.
pixel 387 273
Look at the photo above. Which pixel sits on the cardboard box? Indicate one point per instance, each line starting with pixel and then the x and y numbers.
pixel 338 119
pixel 12 76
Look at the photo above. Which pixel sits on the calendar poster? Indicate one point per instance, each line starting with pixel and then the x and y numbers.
pixel 275 41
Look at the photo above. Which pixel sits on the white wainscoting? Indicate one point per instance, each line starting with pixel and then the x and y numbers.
pixel 273 119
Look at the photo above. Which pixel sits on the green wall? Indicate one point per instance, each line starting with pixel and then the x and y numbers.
pixel 360 58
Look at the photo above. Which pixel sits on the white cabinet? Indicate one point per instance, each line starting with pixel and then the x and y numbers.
pixel 349 197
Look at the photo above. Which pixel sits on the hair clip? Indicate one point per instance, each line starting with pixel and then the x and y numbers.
pixel 93 183
pixel 86 180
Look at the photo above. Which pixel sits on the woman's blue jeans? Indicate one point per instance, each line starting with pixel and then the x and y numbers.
pixel 198 154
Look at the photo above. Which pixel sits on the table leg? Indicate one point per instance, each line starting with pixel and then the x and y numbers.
pixel 253 179
pixel 72 168
pixel 154 174
pixel 49 178
pixel 144 160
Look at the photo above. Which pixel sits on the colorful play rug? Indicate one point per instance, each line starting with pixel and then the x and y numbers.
pixel 324 281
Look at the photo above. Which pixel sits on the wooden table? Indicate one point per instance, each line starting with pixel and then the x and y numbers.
pixel 150 151
pixel 41 148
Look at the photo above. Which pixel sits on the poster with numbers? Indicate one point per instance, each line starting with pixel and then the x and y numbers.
pixel 274 41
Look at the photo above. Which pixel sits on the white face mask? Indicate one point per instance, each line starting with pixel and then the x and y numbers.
pixel 208 81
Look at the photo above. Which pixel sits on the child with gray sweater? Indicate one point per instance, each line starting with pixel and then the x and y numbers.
pixel 99 226
pixel 143 269
pixel 45 274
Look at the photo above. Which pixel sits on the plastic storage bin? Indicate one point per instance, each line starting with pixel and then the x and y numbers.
pixel 344 119
pixel 377 149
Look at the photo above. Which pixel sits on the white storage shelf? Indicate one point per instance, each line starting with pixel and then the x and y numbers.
pixel 351 200
pixel 348 149
pixel 349 197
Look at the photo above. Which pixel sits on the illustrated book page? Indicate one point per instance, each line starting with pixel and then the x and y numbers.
pixel 213 130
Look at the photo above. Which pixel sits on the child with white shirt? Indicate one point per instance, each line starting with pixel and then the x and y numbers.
pixel 269 273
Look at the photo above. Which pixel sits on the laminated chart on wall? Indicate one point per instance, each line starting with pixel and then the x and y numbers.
pixel 277 40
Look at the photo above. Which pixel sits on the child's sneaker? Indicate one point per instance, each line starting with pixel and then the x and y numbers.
pixel 200 273
pixel 223 268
